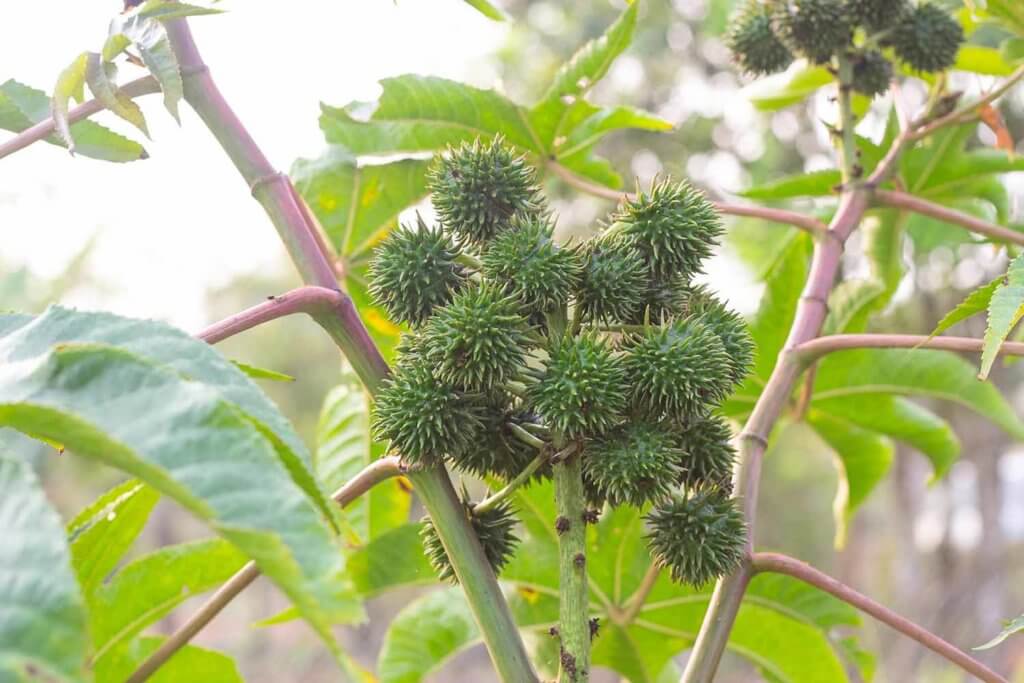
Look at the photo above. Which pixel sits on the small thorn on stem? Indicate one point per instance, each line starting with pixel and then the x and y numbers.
pixel 590 516
pixel 595 627
pixel 562 525
pixel 579 561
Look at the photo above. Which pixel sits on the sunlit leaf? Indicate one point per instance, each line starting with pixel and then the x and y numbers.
pixel 190 663
pixel 788 88
pixel 70 84
pixel 103 88
pixel 815 184
pixel 262 373
pixel 487 9
pixel 975 303
pixel 1005 309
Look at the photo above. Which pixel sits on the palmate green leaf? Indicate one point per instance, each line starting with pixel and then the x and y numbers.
pixel 913 372
pixel 427 113
pixel 574 79
pixel 1010 628
pixel 42 613
pixel 1005 310
pixel 22 107
pixel 814 184
pixel 863 460
pixel 975 303
pixel 190 663
pixel 148 588
pixel 102 533
pixel 345 446
pixel 431 631
pixel 165 425
pixel 788 88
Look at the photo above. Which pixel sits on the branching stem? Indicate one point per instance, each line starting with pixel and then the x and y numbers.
pixel 510 488
pixel 908 202
pixel 526 437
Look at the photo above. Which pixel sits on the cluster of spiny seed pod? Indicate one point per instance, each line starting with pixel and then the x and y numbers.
pixel 605 347
pixel 765 36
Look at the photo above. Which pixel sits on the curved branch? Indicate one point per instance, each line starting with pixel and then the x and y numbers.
pixel 367 478
pixel 970 111
pixel 142 86
pixel 797 220
pixel 812 350
pixel 908 202
pixel 782 564
pixel 308 300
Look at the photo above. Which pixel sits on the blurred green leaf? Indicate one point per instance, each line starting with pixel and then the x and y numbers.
pixel 913 372
pixel 149 36
pixel 70 84
pixel 850 304
pixel 815 184
pixel 1009 13
pixel 883 233
pixel 103 532
pixel 487 9
pixel 1012 50
pixel 863 460
pixel 254 372
pixel 99 77
pixel 190 663
pixel 601 121
pixel 22 107
pixel 1005 310
pixel 42 613
pixel 975 303
pixel 143 407
pixel 1009 628
pixel 147 589
pixel 345 445
pixel 393 559
pixel 788 88
pixel 165 10
pixel 977 59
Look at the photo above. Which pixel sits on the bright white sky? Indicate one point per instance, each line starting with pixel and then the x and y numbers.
pixel 181 222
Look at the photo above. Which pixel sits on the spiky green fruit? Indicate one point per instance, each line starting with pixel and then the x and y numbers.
pixel 494 528
pixel 613 282
pixel 424 418
pixel 674 226
pixel 497 452
pixel 664 299
pixel 478 341
pixel 678 371
pixel 477 188
pixel 414 271
pixel 583 389
pixel 816 29
pixel 633 464
pixel 730 327
pixel 877 15
pixel 872 73
pixel 708 453
pixel 526 262
pixel 927 39
pixel 754 45
pixel 699 536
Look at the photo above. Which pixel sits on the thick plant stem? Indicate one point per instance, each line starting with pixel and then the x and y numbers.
pixel 810 317
pixel 275 193
pixel 573 623
pixel 782 564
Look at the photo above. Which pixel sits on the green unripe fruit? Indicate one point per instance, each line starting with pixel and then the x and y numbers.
pixel 633 464
pixel 478 188
pixel 755 46
pixel 478 340
pixel 877 15
pixel 497 451
pixel 583 390
pixel 678 371
pixel 730 327
pixel 699 536
pixel 927 39
pixel 413 272
pixel 527 263
pixel 674 226
pixel 664 299
pixel 613 282
pixel 872 73
pixel 817 29
pixel 709 455
pixel 494 529
pixel 422 417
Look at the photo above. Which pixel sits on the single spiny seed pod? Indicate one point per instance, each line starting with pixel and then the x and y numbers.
pixel 527 263
pixel 422 417
pixel 414 271
pixel 674 226
pixel 730 327
pixel 817 29
pixel 583 389
pixel 613 281
pixel 927 39
pixel 633 464
pixel 477 188
pixel 678 371
pixel 478 341
pixel 755 46
pixel 494 529
pixel 877 15
pixel 872 73
pixel 708 453
pixel 699 535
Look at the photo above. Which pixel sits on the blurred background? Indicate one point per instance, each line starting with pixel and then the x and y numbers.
pixel 178 238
